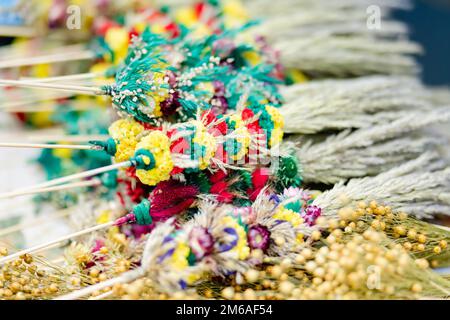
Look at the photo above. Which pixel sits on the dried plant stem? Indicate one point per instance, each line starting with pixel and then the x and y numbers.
pixel 70 88
pixel 77 176
pixel 67 186
pixel 51 58
pixel 46 146
pixel 53 242
pixel 123 278
pixel 80 76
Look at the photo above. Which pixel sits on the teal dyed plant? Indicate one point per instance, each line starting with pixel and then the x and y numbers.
pixel 150 84
pixel 288 173
pixel 134 83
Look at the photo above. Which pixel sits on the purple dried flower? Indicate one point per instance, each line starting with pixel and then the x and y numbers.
pixel 201 242
pixel 219 88
pixel 311 215
pixel 258 237
pixel 219 105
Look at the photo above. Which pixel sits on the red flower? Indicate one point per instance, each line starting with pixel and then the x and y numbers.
pixel 259 179
pixel 176 170
pixel 132 32
pixel 253 127
pixel 218 187
pixel 225 197
pixel 148 126
pixel 218 176
pixel 170 198
pixel 173 29
pixel 247 114
pixel 131 172
pixel 208 117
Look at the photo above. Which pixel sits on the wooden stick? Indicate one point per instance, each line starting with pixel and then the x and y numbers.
pixel 68 138
pixel 65 179
pixel 36 106
pixel 81 184
pixel 123 278
pixel 48 146
pixel 53 242
pixel 51 58
pixel 71 88
pixel 43 138
pixel 80 76
pixel 11 52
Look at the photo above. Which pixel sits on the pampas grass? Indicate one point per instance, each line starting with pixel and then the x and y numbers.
pixel 353 103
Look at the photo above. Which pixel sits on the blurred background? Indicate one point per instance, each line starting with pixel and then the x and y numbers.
pixel 429 21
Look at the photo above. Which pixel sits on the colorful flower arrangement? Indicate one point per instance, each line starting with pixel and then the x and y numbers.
pixel 193 191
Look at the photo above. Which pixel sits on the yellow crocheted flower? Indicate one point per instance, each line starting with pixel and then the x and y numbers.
pixel 275 115
pixel 276 137
pixel 242 249
pixel 158 28
pixel 125 132
pixel 288 215
pixel 206 141
pixel 159 145
pixel 243 137
pixel 238 122
pixel 240 134
pixel 278 123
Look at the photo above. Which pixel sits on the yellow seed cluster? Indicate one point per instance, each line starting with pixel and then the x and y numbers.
pixel 419 238
pixel 357 256
pixel 23 279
